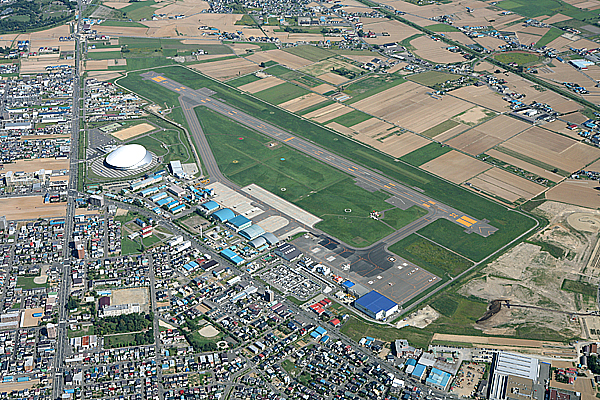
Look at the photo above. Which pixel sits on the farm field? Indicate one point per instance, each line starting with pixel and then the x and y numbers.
pixel 505 185
pixel 226 69
pixel 519 58
pixel 281 93
pixel 487 135
pixel 311 53
pixel 455 166
pixel 510 224
pixel 280 57
pixel 408 105
pixel 550 151
pixel 577 192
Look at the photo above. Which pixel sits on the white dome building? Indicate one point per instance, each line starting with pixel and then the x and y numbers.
pixel 129 157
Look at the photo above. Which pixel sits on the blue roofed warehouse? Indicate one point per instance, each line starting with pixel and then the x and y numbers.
pixel 376 305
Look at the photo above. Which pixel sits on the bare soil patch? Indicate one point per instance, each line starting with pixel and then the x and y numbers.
pixel 578 192
pixel 524 165
pixel 279 56
pixel 302 102
pixel 262 84
pixel 33 207
pixel 506 185
pixel 37 164
pixel 132 131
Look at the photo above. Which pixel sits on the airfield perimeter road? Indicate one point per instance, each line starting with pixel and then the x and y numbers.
pixel 202 97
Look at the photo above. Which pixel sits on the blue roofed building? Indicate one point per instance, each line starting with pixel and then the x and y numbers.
pixel 259 242
pixel 438 379
pixel 320 330
pixel 223 215
pixel 252 232
pixel 376 305
pixel 419 372
pixel 232 256
pixel 347 284
pixel 209 206
pixel 239 223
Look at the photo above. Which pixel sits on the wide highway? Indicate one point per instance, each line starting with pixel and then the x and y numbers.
pixel 202 97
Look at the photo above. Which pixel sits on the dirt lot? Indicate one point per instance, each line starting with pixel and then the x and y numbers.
pixel 332 78
pixel 552 149
pixel 281 57
pixel 525 165
pixel 491 340
pixel 455 166
pixel 577 192
pixel 527 276
pixel 506 185
pixel 37 164
pixel 420 318
pixel 28 320
pixel 105 76
pixel 38 65
pixel 132 131
pixel 262 84
pixel 130 296
pixel 409 106
pixel 473 116
pixel 488 134
pixel 226 69
pixel 302 102
pixel 373 127
pixel 467 379
pixel 208 331
pixel 19 208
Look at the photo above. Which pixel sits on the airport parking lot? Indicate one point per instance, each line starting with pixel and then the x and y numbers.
pixel 291 282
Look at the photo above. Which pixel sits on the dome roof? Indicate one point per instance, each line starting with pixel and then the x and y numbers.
pixel 129 157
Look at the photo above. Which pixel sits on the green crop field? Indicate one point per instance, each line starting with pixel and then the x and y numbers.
pixel 398 218
pixel 242 80
pixel 370 85
pixel 432 78
pixel 517 57
pixel 425 154
pixel 316 107
pixel 103 55
pixel 281 93
pixel 350 119
pixel 430 256
pixel 440 128
pixel 311 53
pixel 442 28
pixel 584 288
pixel 537 8
pixel 124 24
pixel 552 34
pixel 139 10
pixel 510 223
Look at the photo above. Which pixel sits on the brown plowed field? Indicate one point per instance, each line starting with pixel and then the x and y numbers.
pixel 302 102
pixel 225 69
pixel 455 167
pixel 524 165
pixel 409 106
pixel 482 96
pixel 506 185
pixel 552 149
pixel 281 57
pixel 262 84
pixel 577 192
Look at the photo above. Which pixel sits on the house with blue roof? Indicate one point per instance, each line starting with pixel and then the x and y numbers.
pixel 320 330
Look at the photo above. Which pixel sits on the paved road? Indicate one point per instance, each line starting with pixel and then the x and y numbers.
pixel 202 97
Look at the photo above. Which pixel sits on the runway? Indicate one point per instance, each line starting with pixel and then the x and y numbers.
pixel 202 97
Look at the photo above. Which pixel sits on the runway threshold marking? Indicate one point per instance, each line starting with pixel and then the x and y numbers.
pixel 426 205
pixel 471 220
pixel 159 79
pixel 288 139
pixel 463 222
